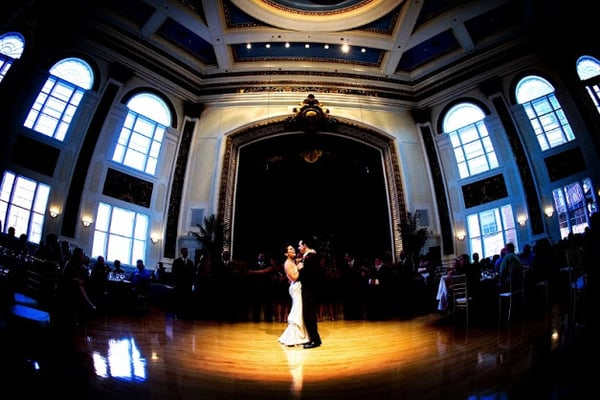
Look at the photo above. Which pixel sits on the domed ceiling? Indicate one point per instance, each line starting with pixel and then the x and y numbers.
pixel 317 16
pixel 390 48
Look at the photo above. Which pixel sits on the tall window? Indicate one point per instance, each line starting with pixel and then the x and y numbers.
pixel 490 230
pixel 11 48
pixel 142 133
pixel 57 102
pixel 120 234
pixel 575 203
pixel 588 69
pixel 545 113
pixel 23 204
pixel 472 146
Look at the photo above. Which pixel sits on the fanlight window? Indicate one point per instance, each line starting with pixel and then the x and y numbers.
pixel 142 133
pixel 473 149
pixel 545 113
pixel 56 104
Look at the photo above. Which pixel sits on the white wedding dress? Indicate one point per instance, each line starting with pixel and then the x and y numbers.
pixel 295 333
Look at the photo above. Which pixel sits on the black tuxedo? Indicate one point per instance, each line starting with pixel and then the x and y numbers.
pixel 183 280
pixel 310 276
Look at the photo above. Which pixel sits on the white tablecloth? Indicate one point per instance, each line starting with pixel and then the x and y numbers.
pixel 442 294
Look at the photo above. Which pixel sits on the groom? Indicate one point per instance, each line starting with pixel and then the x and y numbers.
pixel 309 276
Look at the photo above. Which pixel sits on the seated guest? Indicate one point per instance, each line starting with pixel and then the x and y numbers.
pixel 462 264
pixel 425 267
pixel 527 256
pixel 9 240
pixel 22 245
pixel 140 286
pixel 141 278
pixel 98 280
pixel 118 273
pixel 160 273
pixel 50 249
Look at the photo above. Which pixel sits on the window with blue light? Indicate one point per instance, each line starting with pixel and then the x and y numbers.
pixel 56 104
pixel 473 148
pixel 547 118
pixel 588 69
pixel 575 203
pixel 23 203
pixel 120 234
pixel 11 49
pixel 142 133
pixel 489 230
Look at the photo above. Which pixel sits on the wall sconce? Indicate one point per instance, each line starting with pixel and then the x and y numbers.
pixel 549 211
pixel 522 219
pixel 86 221
pixel 53 211
pixel 460 235
pixel 154 239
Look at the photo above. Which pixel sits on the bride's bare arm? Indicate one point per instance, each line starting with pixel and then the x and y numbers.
pixel 291 270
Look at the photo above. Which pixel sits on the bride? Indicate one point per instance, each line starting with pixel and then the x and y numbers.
pixel 295 333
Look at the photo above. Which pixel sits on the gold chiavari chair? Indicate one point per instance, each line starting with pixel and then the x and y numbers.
pixel 459 295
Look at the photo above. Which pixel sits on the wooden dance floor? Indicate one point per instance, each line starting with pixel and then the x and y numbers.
pixel 155 356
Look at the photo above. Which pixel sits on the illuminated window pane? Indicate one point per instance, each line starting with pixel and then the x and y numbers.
pixel 23 204
pixel 120 234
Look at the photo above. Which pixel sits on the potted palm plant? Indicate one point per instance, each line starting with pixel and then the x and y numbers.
pixel 211 236
pixel 413 237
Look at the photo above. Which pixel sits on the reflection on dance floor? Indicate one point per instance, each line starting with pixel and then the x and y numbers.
pixel 124 356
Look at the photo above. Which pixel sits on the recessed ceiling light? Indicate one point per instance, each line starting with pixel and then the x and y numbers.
pixel 306 45
pixel 248 46
pixel 326 46
pixel 268 45
pixel 287 45
pixel 345 48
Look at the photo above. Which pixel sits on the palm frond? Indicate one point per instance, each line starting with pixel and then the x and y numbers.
pixel 211 235
pixel 413 237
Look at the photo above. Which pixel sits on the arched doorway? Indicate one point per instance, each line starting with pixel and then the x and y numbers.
pixel 339 186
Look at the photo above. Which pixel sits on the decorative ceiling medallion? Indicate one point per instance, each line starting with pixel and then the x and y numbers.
pixel 317 15
pixel 319 7
pixel 310 117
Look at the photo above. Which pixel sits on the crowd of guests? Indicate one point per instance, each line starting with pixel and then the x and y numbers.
pixel 554 269
pixel 353 289
pixel 80 285
pixel 377 288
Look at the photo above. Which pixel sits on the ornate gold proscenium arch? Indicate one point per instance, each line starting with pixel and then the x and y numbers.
pixel 343 128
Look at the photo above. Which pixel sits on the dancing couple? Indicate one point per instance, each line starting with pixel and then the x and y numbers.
pixel 304 285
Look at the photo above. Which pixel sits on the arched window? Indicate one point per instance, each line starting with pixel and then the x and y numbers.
pixel 120 234
pixel 488 230
pixel 545 113
pixel 57 102
pixel 142 133
pixel 471 143
pixel 11 48
pixel 588 69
